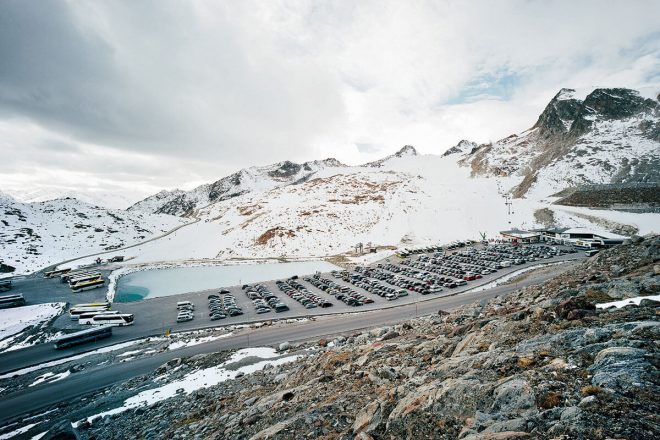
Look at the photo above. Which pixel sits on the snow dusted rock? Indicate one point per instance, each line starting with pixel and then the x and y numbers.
pixel 609 137
pixel 463 147
pixel 35 235
pixel 245 181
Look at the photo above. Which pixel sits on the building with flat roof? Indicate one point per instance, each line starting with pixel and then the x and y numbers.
pixel 520 236
pixel 583 237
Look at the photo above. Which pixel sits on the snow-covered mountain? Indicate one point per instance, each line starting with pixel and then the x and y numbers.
pixel 35 235
pixel 407 150
pixel 462 147
pixel 184 203
pixel 610 136
pixel 323 208
pixel 106 199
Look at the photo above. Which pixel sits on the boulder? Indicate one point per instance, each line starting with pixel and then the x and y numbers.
pixel 389 335
pixel 514 395
pixel 368 418
pixel 620 368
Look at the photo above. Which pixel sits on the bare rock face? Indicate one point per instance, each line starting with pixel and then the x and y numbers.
pixel 622 368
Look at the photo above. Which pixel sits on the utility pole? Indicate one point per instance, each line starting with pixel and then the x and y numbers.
pixel 509 206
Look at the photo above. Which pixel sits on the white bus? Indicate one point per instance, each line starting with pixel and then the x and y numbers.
pixel 75 312
pixel 87 317
pixel 118 320
pixel 105 304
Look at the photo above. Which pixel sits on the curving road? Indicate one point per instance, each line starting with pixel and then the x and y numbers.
pixel 14 406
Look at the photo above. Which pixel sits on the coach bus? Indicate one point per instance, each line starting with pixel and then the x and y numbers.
pixel 8 301
pixel 67 277
pixel 75 312
pixel 105 304
pixel 88 285
pixel 58 272
pixel 118 320
pixel 85 318
pixel 84 277
pixel 76 281
pixel 89 335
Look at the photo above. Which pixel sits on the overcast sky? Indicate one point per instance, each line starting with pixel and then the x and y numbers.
pixel 135 96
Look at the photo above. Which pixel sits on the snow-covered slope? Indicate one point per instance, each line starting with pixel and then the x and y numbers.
pixel 112 200
pixel 612 136
pixel 35 235
pixel 462 147
pixel 406 151
pixel 185 203
pixel 408 201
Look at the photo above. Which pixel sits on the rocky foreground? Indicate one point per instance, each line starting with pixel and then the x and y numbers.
pixel 543 362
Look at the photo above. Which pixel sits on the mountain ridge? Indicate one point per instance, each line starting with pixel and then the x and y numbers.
pixel 616 131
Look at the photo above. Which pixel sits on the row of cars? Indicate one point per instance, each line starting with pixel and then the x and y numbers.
pixel 343 293
pixel 186 311
pixel 417 281
pixel 369 281
pixel 223 305
pixel 263 299
pixel 301 294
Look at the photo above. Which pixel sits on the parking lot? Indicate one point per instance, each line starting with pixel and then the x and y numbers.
pixel 394 281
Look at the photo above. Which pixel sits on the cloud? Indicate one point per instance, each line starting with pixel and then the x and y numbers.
pixel 164 93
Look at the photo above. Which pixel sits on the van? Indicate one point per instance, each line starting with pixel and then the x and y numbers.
pixel 185 305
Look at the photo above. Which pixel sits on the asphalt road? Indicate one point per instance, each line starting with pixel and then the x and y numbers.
pixel 13 406
pixel 156 315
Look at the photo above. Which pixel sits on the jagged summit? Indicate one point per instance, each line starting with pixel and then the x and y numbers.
pixel 558 116
pixel 464 146
pixel 611 136
pixel 407 150
pixel 257 178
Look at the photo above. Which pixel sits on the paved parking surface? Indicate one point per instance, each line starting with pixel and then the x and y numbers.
pixel 157 315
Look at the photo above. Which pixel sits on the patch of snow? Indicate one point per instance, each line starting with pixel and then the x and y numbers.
pixel 199 379
pixel 647 223
pixel 19 431
pixel 372 257
pixel 129 353
pixel 627 302
pixel 182 342
pixel 15 320
pixel 509 276
pixel 50 378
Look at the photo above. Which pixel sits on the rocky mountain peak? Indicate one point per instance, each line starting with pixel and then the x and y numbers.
pixel 285 169
pixel 614 103
pixel 558 116
pixel 407 150
pixel 332 162
pixel 618 103
pixel 464 146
